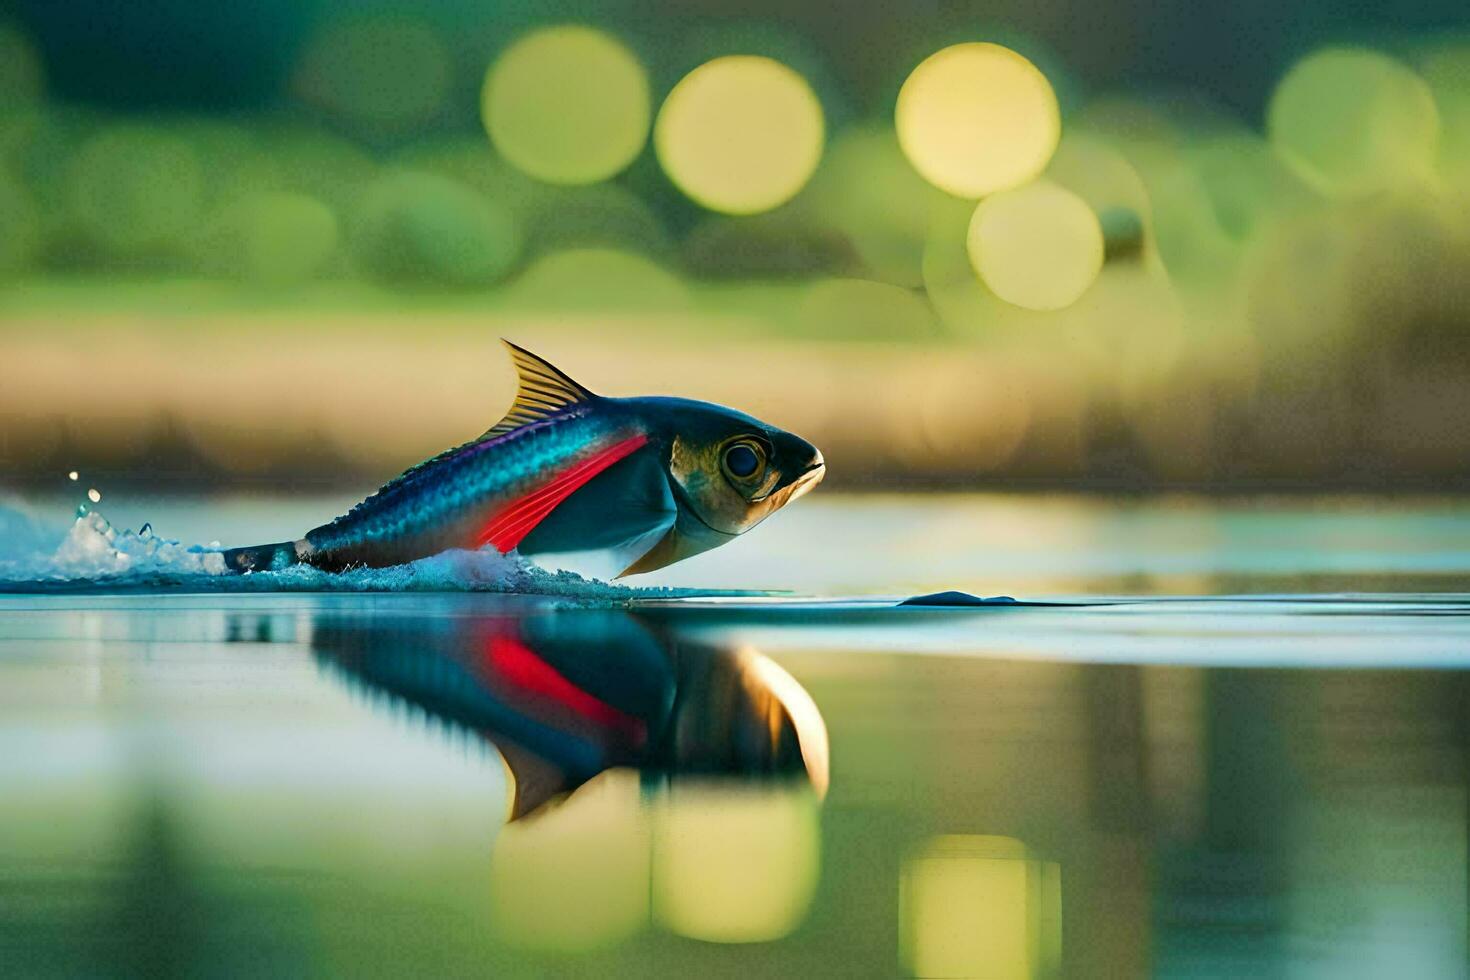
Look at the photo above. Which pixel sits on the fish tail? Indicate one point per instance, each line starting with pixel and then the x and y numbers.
pixel 263 557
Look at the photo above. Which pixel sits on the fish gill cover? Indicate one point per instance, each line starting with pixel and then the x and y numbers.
pixel 42 556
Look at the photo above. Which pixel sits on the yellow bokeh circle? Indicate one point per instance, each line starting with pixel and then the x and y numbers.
pixel 1351 121
pixel 977 118
pixel 1039 246
pixel 567 105
pixel 740 134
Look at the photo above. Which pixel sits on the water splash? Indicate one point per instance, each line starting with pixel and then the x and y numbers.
pixel 94 549
pixel 94 556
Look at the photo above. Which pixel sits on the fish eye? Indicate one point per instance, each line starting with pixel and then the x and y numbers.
pixel 744 460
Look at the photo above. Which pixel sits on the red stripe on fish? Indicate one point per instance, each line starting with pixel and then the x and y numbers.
pixel 517 664
pixel 508 526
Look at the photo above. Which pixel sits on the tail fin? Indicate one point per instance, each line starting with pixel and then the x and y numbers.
pixel 262 557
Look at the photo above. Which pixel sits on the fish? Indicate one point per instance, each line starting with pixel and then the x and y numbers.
pixel 638 483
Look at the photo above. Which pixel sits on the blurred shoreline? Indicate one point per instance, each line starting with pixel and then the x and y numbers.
pixel 194 396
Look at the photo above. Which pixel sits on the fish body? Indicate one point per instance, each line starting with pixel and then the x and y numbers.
pixel 451 501
pixel 644 481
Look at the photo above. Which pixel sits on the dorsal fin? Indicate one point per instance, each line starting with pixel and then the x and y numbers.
pixel 543 391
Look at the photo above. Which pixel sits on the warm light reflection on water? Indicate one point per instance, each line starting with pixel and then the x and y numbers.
pixel 735 864
pixel 577 876
pixel 980 906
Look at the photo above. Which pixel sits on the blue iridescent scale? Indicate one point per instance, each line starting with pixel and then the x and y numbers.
pixel 469 481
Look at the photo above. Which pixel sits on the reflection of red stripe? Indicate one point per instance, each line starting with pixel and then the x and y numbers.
pixel 518 665
pixel 508 526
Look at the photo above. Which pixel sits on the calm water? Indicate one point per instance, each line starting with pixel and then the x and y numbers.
pixel 1217 786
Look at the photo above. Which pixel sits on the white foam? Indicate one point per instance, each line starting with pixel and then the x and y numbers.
pixel 92 555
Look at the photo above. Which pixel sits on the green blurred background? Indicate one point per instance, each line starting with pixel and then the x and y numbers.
pixel 1007 244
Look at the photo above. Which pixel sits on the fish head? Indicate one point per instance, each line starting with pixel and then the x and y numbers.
pixel 732 471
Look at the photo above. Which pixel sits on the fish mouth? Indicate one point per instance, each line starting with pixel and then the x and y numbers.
pixel 808 479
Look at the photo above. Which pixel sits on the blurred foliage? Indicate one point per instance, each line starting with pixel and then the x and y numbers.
pixel 416 227
pixel 1280 296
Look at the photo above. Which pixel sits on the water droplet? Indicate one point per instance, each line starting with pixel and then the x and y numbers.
pixel 94 495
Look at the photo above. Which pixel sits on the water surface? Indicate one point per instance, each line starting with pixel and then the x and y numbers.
pixel 1099 781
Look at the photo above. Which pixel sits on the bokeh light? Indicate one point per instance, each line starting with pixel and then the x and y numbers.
pixel 426 228
pixel 568 105
pixel 973 906
pixel 977 118
pixel 1038 246
pixel 735 864
pixel 136 191
pixel 1446 69
pixel 276 238
pixel 1251 275
pixel 327 168
pixel 575 876
pixel 41 151
pixel 740 134
pixel 1247 184
pixel 472 161
pixel 867 190
pixel 232 162
pixel 1183 219
pixel 964 306
pixel 1096 171
pixel 1353 121
pixel 378 74
pixel 1130 327
pixel 553 217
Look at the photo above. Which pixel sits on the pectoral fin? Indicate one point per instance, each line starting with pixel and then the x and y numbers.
pixel 688 536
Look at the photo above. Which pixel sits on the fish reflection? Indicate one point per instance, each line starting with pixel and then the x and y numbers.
pixel 566 695
pixel 601 708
